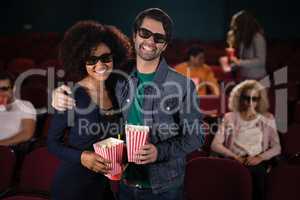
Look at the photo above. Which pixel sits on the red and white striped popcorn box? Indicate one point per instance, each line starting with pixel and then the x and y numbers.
pixel 136 137
pixel 112 150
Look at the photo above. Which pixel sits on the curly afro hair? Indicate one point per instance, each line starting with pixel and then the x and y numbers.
pixel 83 37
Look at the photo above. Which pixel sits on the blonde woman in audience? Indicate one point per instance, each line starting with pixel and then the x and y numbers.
pixel 248 133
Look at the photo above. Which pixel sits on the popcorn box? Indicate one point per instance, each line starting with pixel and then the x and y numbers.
pixel 112 150
pixel 136 137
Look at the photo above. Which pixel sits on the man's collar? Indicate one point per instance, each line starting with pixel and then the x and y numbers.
pixel 160 74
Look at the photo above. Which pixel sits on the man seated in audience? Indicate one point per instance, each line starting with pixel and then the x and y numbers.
pixel 17 117
pixel 196 69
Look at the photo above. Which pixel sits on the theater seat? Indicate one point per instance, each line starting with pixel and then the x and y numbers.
pixel 291 141
pixel 19 65
pixel 38 171
pixel 37 95
pixel 7 167
pixel 51 63
pixel 296 112
pixel 283 182
pixel 196 154
pixel 210 105
pixel 217 179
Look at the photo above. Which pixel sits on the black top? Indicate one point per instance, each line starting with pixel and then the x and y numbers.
pixel 87 123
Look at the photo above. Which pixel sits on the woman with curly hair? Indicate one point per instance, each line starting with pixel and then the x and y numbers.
pixel 91 51
pixel 246 36
pixel 248 133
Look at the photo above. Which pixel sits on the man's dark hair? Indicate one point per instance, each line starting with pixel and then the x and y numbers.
pixel 7 76
pixel 158 15
pixel 194 51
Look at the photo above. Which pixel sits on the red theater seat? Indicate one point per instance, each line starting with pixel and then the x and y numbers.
pixel 7 167
pixel 56 64
pixel 296 111
pixel 217 179
pixel 38 171
pixel 210 105
pixel 283 182
pixel 19 65
pixel 292 141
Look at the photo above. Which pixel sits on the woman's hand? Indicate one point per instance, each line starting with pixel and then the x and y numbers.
pixel 253 160
pixel 240 159
pixel 60 100
pixel 94 162
pixel 235 60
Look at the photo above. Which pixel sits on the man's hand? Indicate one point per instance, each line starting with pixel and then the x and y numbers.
pixel 94 162
pixel 60 100
pixel 253 160
pixel 147 154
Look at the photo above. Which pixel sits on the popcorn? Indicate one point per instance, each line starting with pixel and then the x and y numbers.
pixel 136 137
pixel 112 150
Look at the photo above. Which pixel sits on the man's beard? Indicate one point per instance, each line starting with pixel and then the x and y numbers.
pixel 148 56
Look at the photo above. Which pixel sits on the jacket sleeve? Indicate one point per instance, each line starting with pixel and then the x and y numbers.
pixel 191 137
pixel 55 141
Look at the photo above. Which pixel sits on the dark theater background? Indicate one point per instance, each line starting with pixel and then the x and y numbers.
pixel 30 34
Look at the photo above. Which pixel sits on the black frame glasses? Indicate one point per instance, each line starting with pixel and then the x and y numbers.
pixel 250 98
pixel 5 88
pixel 104 58
pixel 157 37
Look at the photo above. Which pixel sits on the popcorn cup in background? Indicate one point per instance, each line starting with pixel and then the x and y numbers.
pixel 112 150
pixel 136 137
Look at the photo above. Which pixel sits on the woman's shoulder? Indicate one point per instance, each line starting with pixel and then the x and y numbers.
pixel 269 119
pixel 268 115
pixel 80 95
